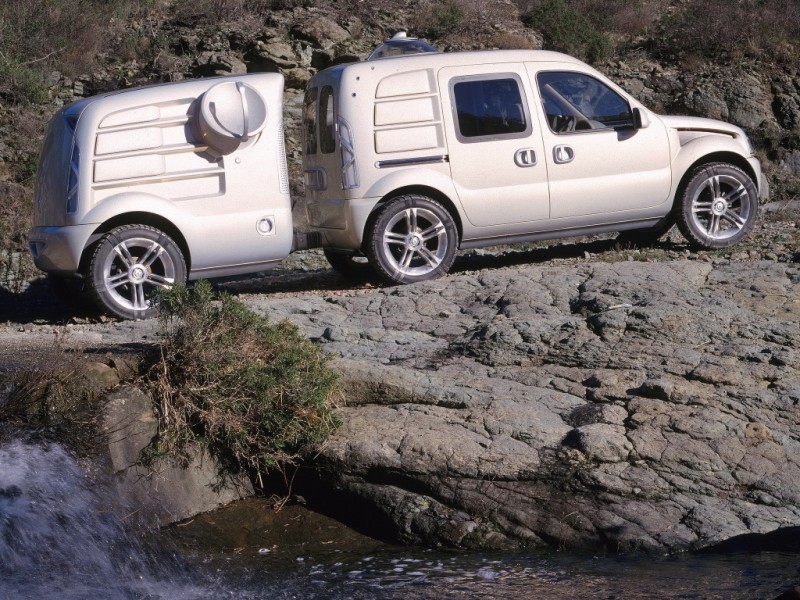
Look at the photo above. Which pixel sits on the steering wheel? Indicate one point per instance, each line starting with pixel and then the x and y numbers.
pixel 575 123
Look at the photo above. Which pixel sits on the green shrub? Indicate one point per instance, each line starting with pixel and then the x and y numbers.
pixel 22 83
pixel 257 394
pixel 441 19
pixel 566 30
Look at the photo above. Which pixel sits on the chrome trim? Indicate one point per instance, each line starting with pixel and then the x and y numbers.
pixel 404 162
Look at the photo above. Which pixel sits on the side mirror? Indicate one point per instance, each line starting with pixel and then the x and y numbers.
pixel 640 119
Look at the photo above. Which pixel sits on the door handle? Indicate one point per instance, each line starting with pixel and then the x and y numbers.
pixel 525 157
pixel 563 154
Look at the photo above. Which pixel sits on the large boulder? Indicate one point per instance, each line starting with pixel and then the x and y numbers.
pixel 632 405
pixel 165 490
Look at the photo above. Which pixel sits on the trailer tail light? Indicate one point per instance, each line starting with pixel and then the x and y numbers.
pixel 348 154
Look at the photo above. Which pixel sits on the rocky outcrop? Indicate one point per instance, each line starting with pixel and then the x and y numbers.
pixel 166 490
pixel 631 405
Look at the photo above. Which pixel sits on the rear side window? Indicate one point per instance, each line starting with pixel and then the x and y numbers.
pixel 310 121
pixel 327 121
pixel 489 107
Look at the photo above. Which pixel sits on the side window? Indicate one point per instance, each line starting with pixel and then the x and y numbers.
pixel 579 102
pixel 310 121
pixel 489 107
pixel 327 121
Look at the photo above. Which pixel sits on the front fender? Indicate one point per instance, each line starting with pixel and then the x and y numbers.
pixel 701 147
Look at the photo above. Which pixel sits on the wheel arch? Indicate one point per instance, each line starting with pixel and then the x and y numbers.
pixel 732 158
pixel 136 218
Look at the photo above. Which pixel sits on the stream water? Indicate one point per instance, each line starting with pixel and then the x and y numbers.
pixel 58 539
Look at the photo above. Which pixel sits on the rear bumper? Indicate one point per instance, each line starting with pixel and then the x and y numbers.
pixel 58 250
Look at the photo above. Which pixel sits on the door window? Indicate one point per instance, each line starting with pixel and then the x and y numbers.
pixel 489 107
pixel 578 102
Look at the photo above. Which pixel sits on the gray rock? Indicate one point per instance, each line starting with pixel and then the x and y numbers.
pixel 320 31
pixel 219 63
pixel 633 405
pixel 164 491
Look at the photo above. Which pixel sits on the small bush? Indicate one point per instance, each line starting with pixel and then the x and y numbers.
pixel 566 30
pixel 21 83
pixel 438 20
pixel 257 394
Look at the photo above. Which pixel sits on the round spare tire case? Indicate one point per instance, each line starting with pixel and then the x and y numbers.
pixel 231 114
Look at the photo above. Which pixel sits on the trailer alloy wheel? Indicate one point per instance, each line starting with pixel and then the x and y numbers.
pixel 130 265
pixel 413 238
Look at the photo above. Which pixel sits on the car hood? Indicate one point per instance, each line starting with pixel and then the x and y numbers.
pixel 701 124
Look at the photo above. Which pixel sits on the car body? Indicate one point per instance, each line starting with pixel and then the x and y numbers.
pixel 409 157
pixel 142 188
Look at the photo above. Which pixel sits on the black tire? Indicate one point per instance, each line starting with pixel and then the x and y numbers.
pixel 718 206
pixel 128 268
pixel 349 266
pixel 648 236
pixel 413 238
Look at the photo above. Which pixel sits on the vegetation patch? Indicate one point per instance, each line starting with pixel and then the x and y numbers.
pixel 725 30
pixel 258 394
pixel 59 396
pixel 567 30
pixel 16 218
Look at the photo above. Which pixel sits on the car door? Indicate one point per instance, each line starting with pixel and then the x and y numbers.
pixel 601 169
pixel 495 147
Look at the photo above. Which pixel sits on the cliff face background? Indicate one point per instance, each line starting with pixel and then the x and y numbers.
pixel 732 61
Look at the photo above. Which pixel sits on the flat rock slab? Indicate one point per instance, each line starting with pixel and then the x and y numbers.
pixel 631 405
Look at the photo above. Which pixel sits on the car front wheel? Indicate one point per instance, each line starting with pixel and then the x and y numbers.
pixel 128 268
pixel 413 238
pixel 719 206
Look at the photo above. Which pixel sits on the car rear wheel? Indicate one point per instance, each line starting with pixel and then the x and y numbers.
pixel 413 238
pixel 130 266
pixel 719 206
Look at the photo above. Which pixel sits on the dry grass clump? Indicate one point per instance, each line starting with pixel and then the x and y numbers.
pixel 57 396
pixel 257 394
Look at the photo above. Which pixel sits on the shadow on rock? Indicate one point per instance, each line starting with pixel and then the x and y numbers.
pixel 46 300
